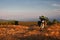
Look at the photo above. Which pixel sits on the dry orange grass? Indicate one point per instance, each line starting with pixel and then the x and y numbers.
pixel 17 32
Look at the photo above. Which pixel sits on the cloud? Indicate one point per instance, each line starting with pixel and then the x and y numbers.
pixel 53 13
pixel 57 5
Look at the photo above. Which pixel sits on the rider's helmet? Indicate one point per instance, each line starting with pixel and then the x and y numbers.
pixel 42 18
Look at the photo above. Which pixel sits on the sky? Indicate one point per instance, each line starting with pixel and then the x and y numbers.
pixel 29 9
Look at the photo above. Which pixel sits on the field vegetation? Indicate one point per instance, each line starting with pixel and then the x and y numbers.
pixel 16 30
pixel 19 32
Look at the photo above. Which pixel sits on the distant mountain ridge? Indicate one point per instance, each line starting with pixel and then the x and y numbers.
pixel 31 19
pixel 4 20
